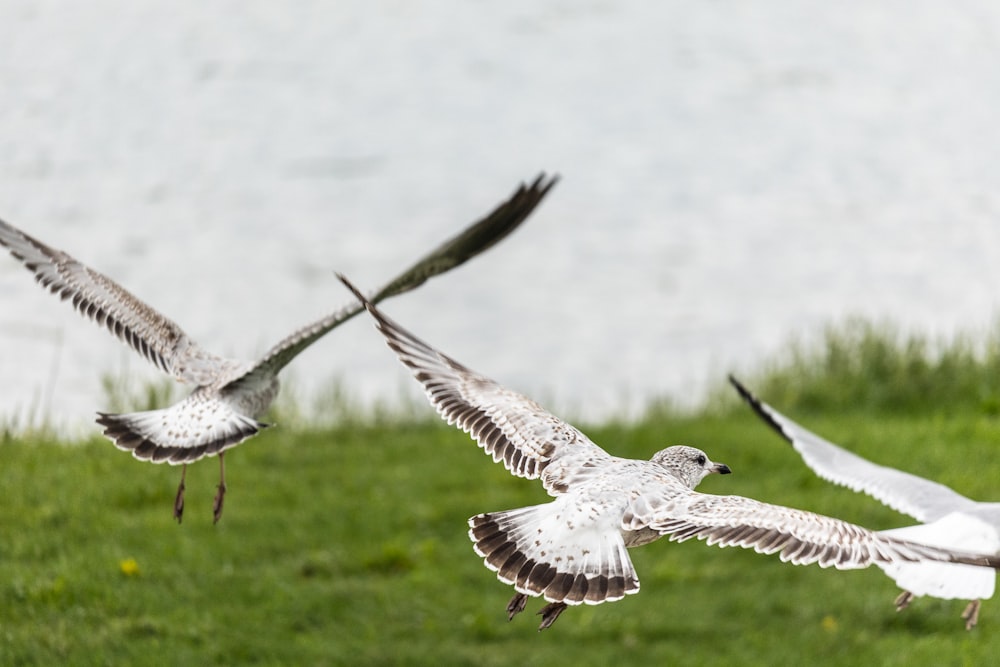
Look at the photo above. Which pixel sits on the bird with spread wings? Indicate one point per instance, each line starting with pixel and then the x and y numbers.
pixel 573 550
pixel 229 395
pixel 948 519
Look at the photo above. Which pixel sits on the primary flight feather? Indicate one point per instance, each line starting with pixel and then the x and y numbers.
pixel 229 395
pixel 948 518
pixel 572 550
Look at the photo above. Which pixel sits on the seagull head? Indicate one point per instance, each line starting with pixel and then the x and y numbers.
pixel 688 464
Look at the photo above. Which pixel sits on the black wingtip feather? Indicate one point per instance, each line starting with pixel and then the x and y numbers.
pixel 759 407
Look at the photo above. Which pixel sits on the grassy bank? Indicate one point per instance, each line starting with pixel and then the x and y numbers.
pixel 347 545
pixel 860 365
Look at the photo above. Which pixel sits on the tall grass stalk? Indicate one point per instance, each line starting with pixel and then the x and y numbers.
pixel 861 365
pixel 855 365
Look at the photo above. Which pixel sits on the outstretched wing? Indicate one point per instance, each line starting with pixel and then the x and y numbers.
pixel 510 427
pixel 478 237
pixel 920 498
pixel 799 537
pixel 104 301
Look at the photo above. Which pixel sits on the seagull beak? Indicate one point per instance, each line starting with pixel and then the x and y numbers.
pixel 720 468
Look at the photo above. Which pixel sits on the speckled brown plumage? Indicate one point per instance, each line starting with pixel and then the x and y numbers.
pixel 229 395
pixel 573 550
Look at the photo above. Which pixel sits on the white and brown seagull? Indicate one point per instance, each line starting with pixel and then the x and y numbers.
pixel 229 395
pixel 948 518
pixel 573 549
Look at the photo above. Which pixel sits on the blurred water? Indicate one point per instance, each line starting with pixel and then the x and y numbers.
pixel 733 174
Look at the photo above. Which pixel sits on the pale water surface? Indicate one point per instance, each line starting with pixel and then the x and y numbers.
pixel 734 174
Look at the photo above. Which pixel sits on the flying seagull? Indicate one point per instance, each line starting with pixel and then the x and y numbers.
pixel 949 519
pixel 229 395
pixel 572 550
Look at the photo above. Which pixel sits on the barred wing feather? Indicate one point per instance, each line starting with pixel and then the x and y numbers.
pixel 101 299
pixel 511 428
pixel 799 537
pixel 475 239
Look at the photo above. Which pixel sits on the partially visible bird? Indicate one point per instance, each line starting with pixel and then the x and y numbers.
pixel 572 550
pixel 949 519
pixel 229 395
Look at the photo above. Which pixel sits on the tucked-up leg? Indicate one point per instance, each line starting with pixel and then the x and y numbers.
pixel 179 498
pixel 550 613
pixel 516 605
pixel 971 614
pixel 220 496
pixel 903 600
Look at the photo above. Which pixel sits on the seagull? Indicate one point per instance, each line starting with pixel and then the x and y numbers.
pixel 949 519
pixel 229 395
pixel 573 549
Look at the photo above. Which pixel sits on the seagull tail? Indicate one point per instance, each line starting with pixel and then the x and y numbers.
pixel 537 552
pixel 164 436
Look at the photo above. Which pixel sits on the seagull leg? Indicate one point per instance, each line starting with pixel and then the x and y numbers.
pixel 550 613
pixel 221 494
pixel 971 614
pixel 179 498
pixel 903 600
pixel 516 605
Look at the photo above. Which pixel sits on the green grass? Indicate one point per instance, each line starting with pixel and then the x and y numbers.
pixel 349 546
pixel 875 367
pixel 346 545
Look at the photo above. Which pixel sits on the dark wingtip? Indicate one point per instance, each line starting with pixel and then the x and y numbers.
pixel 381 320
pixel 474 240
pixel 354 290
pixel 744 393
pixel 503 219
pixel 763 410
pixel 542 187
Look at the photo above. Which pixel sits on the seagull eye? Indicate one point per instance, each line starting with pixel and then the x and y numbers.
pixel 700 460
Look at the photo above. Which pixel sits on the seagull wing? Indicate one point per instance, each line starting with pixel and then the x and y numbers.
pixel 920 498
pixel 104 301
pixel 797 536
pixel 475 239
pixel 511 428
